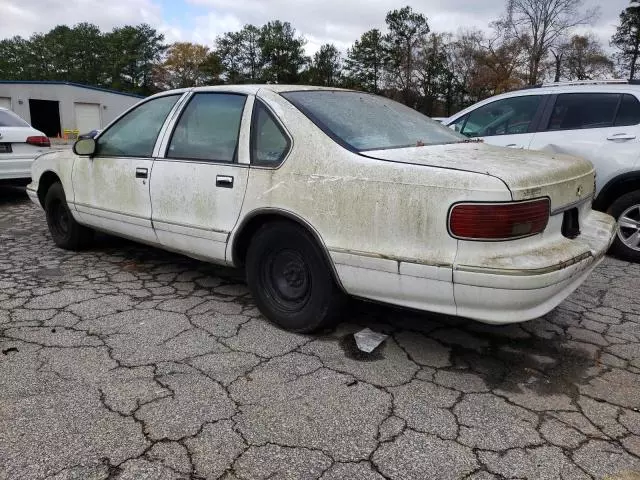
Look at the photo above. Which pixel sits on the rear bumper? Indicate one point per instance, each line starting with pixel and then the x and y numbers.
pixel 515 286
pixel 16 166
pixel 503 295
pixel 518 303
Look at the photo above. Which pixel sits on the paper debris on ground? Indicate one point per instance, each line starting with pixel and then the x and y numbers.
pixel 367 340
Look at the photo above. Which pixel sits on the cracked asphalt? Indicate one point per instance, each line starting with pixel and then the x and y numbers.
pixel 127 362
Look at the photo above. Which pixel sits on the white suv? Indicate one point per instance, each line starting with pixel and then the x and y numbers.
pixel 597 120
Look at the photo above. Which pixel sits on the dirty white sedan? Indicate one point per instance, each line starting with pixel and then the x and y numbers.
pixel 323 192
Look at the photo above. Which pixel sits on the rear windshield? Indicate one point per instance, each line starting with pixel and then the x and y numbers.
pixel 10 119
pixel 361 121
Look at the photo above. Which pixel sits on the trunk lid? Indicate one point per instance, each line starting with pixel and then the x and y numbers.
pixel 527 173
pixel 17 134
pixel 17 138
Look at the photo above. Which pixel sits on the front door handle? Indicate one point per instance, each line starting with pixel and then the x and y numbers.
pixel 621 136
pixel 142 172
pixel 224 181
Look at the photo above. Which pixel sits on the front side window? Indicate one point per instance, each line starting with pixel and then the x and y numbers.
pixel 574 111
pixel 361 121
pixel 509 116
pixel 269 144
pixel 135 134
pixel 208 128
pixel 629 111
pixel 459 123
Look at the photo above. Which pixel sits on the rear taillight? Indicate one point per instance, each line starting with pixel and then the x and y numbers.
pixel 498 221
pixel 39 141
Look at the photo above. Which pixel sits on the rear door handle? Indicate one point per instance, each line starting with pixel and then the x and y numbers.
pixel 224 181
pixel 142 172
pixel 621 136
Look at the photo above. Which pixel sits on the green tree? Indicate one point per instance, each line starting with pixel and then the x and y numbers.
pixel 240 55
pixel 282 52
pixel 326 66
pixel 72 54
pixel 627 40
pixel 132 54
pixel 228 48
pixel 365 61
pixel 406 31
pixel 16 62
pixel 431 71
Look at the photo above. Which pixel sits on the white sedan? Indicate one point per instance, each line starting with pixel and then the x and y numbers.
pixel 19 145
pixel 321 192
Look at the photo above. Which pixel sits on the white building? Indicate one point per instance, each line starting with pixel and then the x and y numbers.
pixel 53 106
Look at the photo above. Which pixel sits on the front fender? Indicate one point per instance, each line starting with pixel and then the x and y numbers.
pixel 48 165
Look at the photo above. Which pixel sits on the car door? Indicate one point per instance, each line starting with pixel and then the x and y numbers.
pixel 111 188
pixel 600 126
pixel 509 122
pixel 199 183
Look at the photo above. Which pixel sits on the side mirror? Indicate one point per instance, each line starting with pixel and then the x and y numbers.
pixel 85 147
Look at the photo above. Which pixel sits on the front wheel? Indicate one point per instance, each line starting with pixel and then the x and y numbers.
pixel 626 210
pixel 65 231
pixel 290 280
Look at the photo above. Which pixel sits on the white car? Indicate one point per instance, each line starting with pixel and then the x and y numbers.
pixel 599 121
pixel 324 192
pixel 19 145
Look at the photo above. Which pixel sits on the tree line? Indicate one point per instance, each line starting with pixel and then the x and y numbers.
pixel 435 72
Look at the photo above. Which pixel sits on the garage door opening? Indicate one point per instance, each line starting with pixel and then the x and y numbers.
pixel 45 116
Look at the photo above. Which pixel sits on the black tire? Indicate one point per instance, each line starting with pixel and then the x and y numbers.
pixel 290 280
pixel 629 206
pixel 65 231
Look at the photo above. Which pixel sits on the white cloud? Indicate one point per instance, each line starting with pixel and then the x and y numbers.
pixel 25 17
pixel 320 21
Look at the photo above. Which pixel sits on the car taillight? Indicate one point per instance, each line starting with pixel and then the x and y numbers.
pixel 498 221
pixel 39 141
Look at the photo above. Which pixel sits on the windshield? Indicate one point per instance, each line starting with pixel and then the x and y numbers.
pixel 10 119
pixel 361 121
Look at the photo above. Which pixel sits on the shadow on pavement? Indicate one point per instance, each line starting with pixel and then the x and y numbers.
pixel 12 195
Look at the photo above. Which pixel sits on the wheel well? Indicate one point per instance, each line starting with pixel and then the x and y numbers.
pixel 615 189
pixel 47 179
pixel 249 229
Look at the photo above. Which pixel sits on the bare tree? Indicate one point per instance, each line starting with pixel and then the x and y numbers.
pixel 539 25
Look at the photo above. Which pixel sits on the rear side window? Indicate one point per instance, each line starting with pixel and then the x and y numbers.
pixel 629 111
pixel 10 119
pixel 208 128
pixel 269 144
pixel 509 116
pixel 574 111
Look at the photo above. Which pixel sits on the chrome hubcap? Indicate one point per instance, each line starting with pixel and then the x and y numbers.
pixel 629 227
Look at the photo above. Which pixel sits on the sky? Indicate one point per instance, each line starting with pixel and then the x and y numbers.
pixel 320 21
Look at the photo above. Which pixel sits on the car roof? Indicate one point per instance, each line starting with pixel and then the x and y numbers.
pixel 250 89
pixel 568 88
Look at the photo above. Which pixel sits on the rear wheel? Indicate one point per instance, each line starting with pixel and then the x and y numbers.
pixel 626 211
pixel 65 231
pixel 290 280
